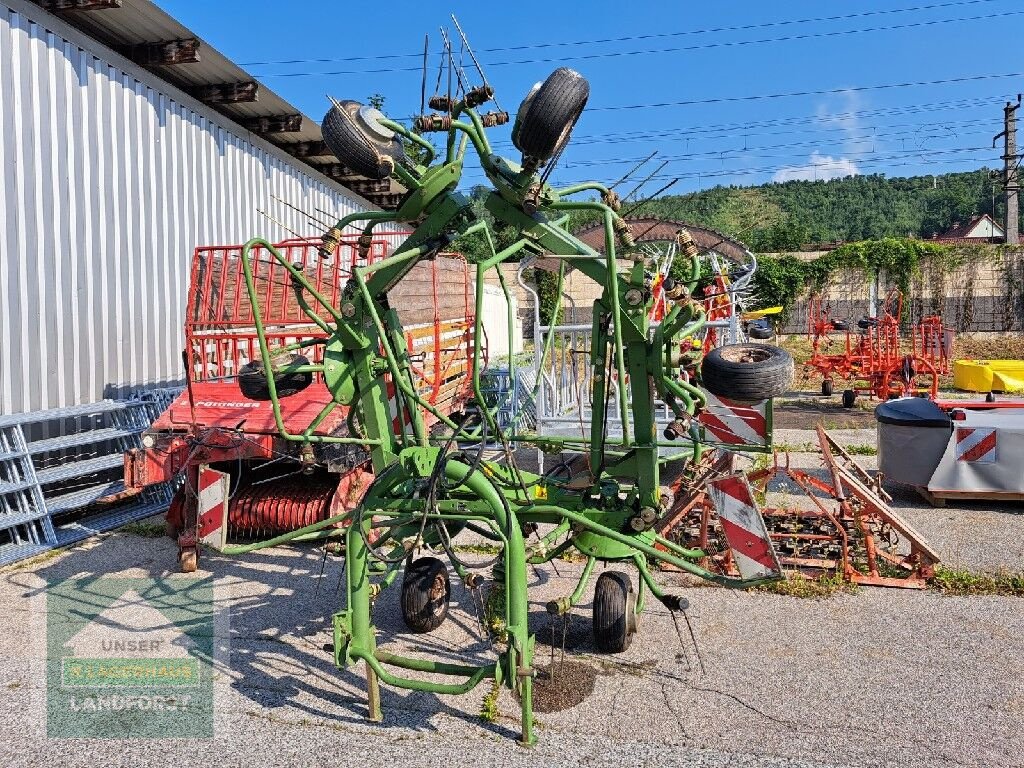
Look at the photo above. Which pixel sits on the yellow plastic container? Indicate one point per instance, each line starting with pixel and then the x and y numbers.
pixel 989 375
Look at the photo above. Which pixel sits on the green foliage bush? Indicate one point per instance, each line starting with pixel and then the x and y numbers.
pixel 779 281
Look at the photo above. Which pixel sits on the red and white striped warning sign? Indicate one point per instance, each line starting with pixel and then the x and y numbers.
pixel 976 444
pixel 732 423
pixel 212 505
pixel 744 527
pixel 393 400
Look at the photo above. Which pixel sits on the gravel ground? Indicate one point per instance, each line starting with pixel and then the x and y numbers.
pixel 875 678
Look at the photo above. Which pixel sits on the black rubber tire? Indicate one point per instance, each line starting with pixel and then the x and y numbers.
pixel 747 373
pixel 614 612
pixel 355 146
pixel 548 113
pixel 760 332
pixel 826 388
pixel 252 380
pixel 849 398
pixel 426 592
pixel 840 325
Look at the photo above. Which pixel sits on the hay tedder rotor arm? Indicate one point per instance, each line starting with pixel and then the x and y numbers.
pixel 427 488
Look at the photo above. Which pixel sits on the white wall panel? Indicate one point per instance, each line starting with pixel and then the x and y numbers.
pixel 108 180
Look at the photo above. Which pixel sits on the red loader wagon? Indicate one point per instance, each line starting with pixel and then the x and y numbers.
pixel 220 440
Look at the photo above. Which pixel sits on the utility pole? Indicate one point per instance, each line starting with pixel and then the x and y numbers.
pixel 1009 176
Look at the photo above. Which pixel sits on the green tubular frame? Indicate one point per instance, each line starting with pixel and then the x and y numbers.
pixel 365 343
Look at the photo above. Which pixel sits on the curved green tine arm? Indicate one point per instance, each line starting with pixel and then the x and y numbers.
pixel 298 276
pixel 674 556
pixel 265 356
pixel 587 186
pixel 613 291
pixel 411 136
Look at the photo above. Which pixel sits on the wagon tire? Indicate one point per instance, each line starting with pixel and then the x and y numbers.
pixel 747 373
pixel 849 398
pixel 426 592
pixel 252 380
pixel 548 113
pixel 614 612
pixel 826 388
pixel 352 133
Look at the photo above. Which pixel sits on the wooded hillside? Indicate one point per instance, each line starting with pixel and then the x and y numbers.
pixel 782 217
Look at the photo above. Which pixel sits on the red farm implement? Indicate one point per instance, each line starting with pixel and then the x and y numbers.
pixel 873 357
pixel 836 519
pixel 221 435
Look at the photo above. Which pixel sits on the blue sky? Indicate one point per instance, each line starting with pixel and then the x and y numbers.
pixel 679 52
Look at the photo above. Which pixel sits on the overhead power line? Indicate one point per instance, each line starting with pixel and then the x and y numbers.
pixel 631 38
pixel 720 130
pixel 736 153
pixel 871 159
pixel 819 92
pixel 652 51
pixel 739 134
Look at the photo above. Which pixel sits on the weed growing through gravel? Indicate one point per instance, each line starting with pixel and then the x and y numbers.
pixel 960 581
pixel 489 709
pixel 477 549
pixel 494 614
pixel 144 529
pixel 807 447
pixel 797 585
pixel 861 450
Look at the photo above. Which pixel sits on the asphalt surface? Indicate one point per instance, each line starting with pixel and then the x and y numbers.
pixel 875 678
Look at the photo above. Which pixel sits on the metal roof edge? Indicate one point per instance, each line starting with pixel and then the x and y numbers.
pixel 73 34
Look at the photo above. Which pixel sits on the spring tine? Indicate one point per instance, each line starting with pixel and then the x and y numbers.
pixel 649 177
pixel 285 227
pixel 423 83
pixel 634 169
pixel 299 210
pixel 648 199
pixel 451 66
pixel 476 63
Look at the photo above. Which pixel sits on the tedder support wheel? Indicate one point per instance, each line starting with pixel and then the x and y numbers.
pixel 353 132
pixel 252 380
pixel 849 398
pixel 614 612
pixel 826 388
pixel 747 372
pixel 548 113
pixel 426 591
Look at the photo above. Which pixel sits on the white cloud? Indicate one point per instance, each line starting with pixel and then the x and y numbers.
pixel 817 167
pixel 839 116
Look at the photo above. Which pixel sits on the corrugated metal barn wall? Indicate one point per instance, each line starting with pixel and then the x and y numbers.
pixel 108 180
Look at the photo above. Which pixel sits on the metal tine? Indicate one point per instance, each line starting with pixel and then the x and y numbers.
pixel 283 226
pixel 476 63
pixel 451 66
pixel 648 199
pixel 423 83
pixel 636 168
pixel 440 74
pixel 299 210
pixel 650 176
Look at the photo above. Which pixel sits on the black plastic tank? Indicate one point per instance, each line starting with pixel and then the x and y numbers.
pixel 912 436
